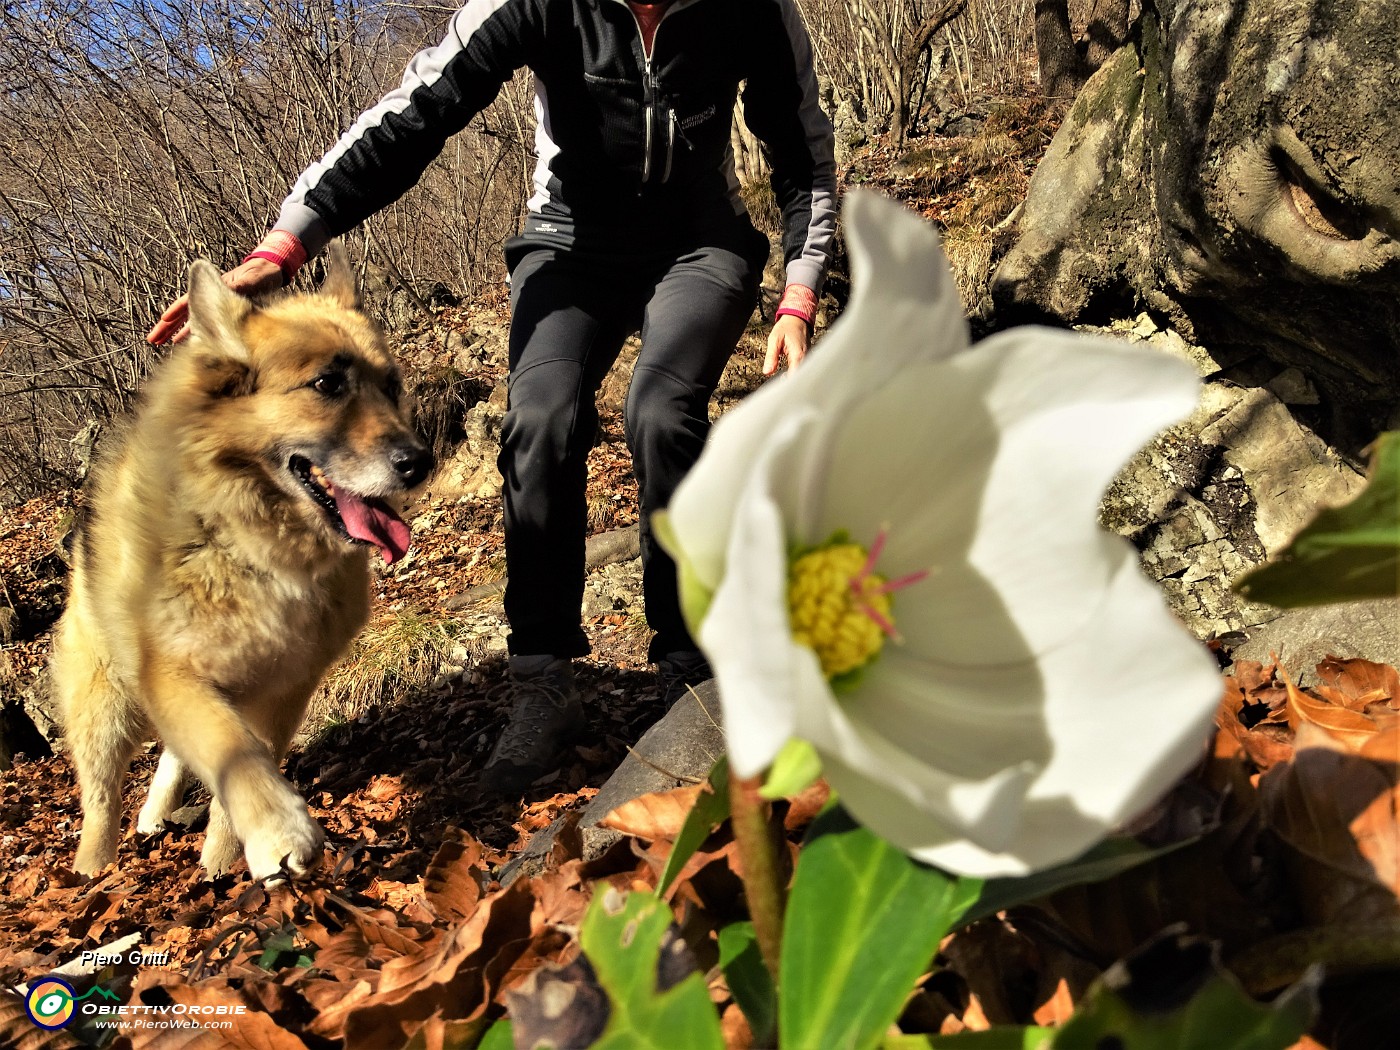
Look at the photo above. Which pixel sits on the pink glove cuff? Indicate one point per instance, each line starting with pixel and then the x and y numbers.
pixel 283 249
pixel 799 301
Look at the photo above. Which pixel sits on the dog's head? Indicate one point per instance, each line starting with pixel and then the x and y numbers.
pixel 302 415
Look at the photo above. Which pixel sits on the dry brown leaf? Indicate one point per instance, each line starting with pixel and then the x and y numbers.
pixel 1361 681
pixel 250 1030
pixel 440 1034
pixel 1266 744
pixel 656 816
pixel 1057 1009
pixel 383 788
pixel 806 805
pixel 454 878
pixel 734 1027
pixel 1337 808
pixel 993 958
pixel 345 953
pixel 1260 684
pixel 1350 727
pixel 447 979
pixel 333 1001
pixel 392 938
pixel 1227 771
pixel 560 897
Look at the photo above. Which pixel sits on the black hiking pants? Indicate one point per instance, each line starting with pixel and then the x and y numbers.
pixel 574 301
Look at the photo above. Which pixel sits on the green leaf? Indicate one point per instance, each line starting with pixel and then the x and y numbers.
pixel 1349 553
pixel 710 810
pixel 1174 995
pixel 623 938
pixel 1002 1038
pixel 862 924
pixel 1109 858
pixel 498 1037
pixel 794 770
pixel 280 951
pixel 749 980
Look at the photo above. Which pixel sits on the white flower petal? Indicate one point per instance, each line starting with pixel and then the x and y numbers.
pixel 904 309
pixel 1127 704
pixel 762 673
pixel 962 719
pixel 1071 412
pixel 987 807
pixel 987 813
pixel 989 468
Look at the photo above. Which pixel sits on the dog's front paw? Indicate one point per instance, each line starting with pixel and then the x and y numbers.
pixel 167 794
pixel 292 846
pixel 92 858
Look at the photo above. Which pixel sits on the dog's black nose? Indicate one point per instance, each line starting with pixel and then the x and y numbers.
pixel 412 463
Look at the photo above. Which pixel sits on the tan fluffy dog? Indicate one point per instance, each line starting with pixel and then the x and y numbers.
pixel 223 565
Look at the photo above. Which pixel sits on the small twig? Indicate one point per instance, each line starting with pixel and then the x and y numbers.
pixel 664 772
pixel 197 968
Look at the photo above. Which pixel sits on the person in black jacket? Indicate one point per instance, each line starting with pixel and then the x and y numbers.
pixel 635 224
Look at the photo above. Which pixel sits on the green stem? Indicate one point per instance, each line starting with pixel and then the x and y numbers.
pixel 758 856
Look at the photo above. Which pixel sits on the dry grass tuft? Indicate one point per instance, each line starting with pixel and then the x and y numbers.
pixel 398 655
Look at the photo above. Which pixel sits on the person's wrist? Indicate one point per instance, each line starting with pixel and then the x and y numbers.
pixel 282 249
pixel 798 301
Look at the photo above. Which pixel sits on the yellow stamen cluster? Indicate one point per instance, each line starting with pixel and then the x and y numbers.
pixel 831 598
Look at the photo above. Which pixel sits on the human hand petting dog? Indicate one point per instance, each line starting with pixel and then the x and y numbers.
pixel 269 266
pixel 250 277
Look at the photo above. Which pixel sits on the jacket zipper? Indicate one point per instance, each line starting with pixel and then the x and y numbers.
pixel 670 145
pixel 649 93
pixel 649 101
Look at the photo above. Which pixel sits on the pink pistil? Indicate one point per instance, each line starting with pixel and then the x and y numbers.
pixel 880 621
pixel 889 587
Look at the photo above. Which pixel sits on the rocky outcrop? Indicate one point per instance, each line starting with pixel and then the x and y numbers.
pixel 1229 488
pixel 470 472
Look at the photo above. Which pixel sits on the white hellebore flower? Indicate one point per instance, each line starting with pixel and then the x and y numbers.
pixel 893 554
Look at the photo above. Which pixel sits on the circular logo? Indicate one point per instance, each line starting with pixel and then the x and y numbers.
pixel 50 1003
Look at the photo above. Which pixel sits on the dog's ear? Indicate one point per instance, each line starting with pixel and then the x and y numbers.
pixel 216 311
pixel 339 285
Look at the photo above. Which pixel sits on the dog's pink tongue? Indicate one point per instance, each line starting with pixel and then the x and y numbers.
pixel 375 523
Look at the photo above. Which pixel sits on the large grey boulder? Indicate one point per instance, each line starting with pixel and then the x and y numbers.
pixel 1233 169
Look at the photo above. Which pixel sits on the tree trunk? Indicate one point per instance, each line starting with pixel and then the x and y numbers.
pixel 913 52
pixel 1104 30
pixel 1056 56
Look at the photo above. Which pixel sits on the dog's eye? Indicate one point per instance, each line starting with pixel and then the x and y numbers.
pixel 329 384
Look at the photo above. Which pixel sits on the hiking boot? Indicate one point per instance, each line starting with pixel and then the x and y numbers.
pixel 546 711
pixel 680 672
